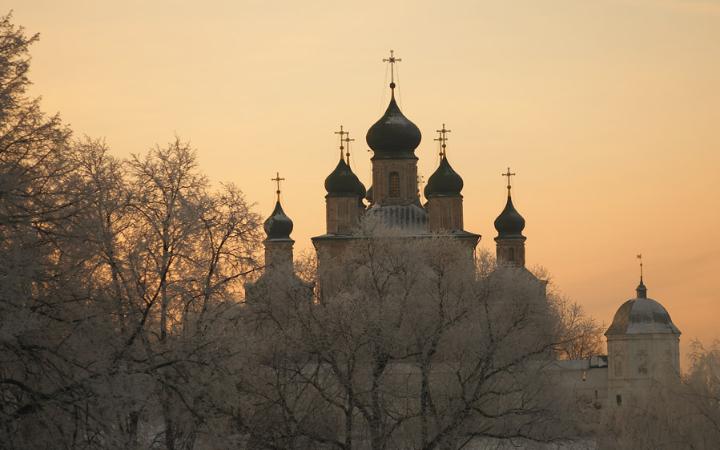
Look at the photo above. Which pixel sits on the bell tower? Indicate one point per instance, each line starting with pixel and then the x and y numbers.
pixel 393 140
pixel 444 201
pixel 510 249
pixel 278 244
pixel 345 192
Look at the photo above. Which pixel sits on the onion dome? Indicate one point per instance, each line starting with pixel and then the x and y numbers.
pixel 444 182
pixel 343 182
pixel 642 315
pixel 278 226
pixel 394 135
pixel 509 223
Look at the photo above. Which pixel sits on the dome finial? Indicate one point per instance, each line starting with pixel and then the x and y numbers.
pixel 347 142
pixel 442 138
pixel 508 174
pixel 641 289
pixel 342 134
pixel 277 180
pixel 392 60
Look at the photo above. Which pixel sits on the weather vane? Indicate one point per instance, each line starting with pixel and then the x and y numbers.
pixel 392 60
pixel 342 134
pixel 442 138
pixel 277 180
pixel 347 141
pixel 508 174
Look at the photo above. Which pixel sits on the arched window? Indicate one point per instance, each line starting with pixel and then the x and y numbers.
pixel 511 254
pixel 394 185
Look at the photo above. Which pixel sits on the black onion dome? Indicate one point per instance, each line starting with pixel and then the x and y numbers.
pixel 394 135
pixel 278 225
pixel 444 182
pixel 342 181
pixel 509 223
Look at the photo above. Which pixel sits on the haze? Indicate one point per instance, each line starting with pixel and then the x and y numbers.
pixel 608 112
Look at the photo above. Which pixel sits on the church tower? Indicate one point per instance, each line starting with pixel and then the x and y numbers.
pixel 643 349
pixel 278 282
pixel 510 241
pixel 393 140
pixel 394 199
pixel 278 244
pixel 345 193
pixel 444 201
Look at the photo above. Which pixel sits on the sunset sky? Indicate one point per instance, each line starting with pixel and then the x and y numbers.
pixel 607 110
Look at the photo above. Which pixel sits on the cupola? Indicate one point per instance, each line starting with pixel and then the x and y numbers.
pixel 509 223
pixel 444 182
pixel 642 315
pixel 394 136
pixel 278 226
pixel 343 182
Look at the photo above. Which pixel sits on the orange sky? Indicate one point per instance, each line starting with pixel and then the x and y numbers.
pixel 607 110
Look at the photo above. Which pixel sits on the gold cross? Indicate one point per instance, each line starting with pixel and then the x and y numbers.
pixel 342 134
pixel 347 141
pixel 442 138
pixel 508 174
pixel 392 60
pixel 277 180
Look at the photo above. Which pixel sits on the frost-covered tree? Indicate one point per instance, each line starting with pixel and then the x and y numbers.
pixel 120 284
pixel 406 344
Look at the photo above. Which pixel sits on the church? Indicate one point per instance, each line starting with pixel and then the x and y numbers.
pixel 642 340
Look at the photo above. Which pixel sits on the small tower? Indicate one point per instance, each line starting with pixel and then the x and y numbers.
pixel 643 349
pixel 510 224
pixel 393 140
pixel 278 244
pixel 444 201
pixel 345 193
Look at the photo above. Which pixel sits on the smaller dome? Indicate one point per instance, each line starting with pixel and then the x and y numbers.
pixel 642 315
pixel 444 182
pixel 509 223
pixel 394 135
pixel 343 182
pixel 278 225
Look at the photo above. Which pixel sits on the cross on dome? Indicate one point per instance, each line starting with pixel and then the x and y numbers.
pixel 442 138
pixel 508 174
pixel 342 134
pixel 277 180
pixel 392 60
pixel 347 142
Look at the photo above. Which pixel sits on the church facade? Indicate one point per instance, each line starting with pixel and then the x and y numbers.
pixel 642 340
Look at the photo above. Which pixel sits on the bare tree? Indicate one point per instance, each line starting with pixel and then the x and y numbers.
pixel 579 336
pixel 119 284
pixel 406 344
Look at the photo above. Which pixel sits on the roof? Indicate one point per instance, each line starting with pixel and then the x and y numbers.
pixel 278 226
pixel 444 182
pixel 642 315
pixel 393 135
pixel 509 223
